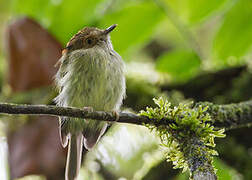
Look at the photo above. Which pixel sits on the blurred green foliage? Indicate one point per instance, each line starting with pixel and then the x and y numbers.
pixel 140 22
pixel 183 64
pixel 64 18
pixel 194 11
pixel 234 37
pixel 61 18
pixel 136 22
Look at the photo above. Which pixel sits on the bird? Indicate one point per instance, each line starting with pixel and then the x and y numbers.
pixel 91 75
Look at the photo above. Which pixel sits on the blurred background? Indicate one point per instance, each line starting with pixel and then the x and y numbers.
pixel 181 49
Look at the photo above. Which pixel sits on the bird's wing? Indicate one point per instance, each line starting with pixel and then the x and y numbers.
pixel 62 63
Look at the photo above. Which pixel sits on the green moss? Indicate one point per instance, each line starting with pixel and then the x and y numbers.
pixel 230 115
pixel 188 137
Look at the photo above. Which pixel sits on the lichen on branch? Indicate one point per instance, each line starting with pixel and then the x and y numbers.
pixel 188 135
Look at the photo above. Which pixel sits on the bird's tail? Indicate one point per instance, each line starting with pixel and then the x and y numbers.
pixel 92 132
pixel 74 156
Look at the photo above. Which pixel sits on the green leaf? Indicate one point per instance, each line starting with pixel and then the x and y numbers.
pixel 234 38
pixel 136 23
pixel 193 11
pixel 180 64
pixel 225 171
pixel 63 18
pixel 69 17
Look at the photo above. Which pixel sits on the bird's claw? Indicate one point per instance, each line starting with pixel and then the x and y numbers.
pixel 88 109
pixel 116 115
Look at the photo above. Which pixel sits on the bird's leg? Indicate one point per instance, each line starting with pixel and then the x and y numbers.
pixel 88 109
pixel 116 115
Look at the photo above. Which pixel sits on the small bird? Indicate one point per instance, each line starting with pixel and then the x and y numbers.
pixel 91 74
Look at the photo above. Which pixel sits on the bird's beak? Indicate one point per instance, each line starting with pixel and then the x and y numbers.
pixel 109 29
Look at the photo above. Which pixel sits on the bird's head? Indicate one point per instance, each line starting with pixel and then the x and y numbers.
pixel 88 38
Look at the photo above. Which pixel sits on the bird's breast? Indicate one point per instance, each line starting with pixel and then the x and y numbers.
pixel 97 81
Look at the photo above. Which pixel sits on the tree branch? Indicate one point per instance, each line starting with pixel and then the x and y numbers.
pixel 198 161
pixel 222 84
pixel 51 110
pixel 228 116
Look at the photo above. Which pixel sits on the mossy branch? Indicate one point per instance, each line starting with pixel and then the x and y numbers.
pixel 51 110
pixel 187 130
pixel 199 161
pixel 228 116
pixel 188 139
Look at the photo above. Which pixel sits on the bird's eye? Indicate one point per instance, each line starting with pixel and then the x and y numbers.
pixel 102 39
pixel 89 41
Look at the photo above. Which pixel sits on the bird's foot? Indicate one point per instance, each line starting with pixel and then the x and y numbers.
pixel 116 115
pixel 88 109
